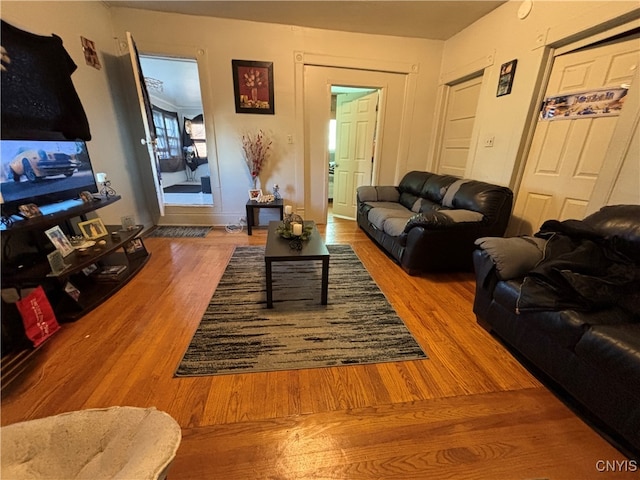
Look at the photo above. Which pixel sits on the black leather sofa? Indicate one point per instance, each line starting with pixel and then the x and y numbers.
pixel 429 222
pixel 567 302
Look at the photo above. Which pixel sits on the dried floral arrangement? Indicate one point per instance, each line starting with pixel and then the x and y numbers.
pixel 256 150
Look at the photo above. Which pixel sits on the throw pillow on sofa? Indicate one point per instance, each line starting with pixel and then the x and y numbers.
pixel 514 256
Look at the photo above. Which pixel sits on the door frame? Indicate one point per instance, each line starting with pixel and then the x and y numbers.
pixel 199 213
pixel 306 195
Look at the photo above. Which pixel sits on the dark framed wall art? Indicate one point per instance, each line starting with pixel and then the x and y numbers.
pixel 507 72
pixel 253 86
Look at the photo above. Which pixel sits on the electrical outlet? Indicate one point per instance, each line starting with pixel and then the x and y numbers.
pixel 289 138
pixel 488 141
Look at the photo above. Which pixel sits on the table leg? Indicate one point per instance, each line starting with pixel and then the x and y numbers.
pixel 325 281
pixel 249 219
pixel 269 283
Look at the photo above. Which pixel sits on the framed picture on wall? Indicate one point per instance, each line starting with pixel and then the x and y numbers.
pixel 253 86
pixel 505 82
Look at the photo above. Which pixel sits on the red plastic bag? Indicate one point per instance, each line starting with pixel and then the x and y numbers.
pixel 37 316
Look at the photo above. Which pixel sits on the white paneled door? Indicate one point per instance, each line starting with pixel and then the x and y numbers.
pixel 147 120
pixel 460 115
pixel 355 136
pixel 567 155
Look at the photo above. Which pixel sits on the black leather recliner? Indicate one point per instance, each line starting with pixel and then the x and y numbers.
pixel 568 301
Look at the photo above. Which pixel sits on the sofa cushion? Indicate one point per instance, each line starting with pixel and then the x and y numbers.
pixel 378 194
pixel 436 186
pixel 492 200
pixel 459 215
pixel 619 224
pixel 568 326
pixel 413 182
pixel 379 215
pixel 614 349
pixel 513 256
pixel 394 226
pixel 408 200
pixel 387 194
pixel 447 199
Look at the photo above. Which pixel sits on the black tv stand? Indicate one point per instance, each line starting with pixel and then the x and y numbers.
pixel 30 269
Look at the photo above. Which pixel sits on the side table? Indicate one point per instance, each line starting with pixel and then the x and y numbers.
pixel 252 205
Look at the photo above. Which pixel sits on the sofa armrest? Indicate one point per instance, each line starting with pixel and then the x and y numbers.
pixel 441 219
pixel 383 193
pixel 513 257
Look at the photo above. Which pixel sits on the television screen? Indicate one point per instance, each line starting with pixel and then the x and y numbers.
pixel 44 171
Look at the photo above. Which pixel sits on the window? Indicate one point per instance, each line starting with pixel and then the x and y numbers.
pixel 169 145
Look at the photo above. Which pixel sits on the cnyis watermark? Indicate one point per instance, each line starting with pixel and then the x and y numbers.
pixel 617 466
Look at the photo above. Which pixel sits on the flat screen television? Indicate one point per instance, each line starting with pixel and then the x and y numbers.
pixel 43 172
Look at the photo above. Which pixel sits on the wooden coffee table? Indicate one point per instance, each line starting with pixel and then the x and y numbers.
pixel 278 250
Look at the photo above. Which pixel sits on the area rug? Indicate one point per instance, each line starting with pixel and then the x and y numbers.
pixel 183 189
pixel 238 334
pixel 177 232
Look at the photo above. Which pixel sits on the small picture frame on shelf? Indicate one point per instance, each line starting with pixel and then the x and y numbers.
pixel 29 210
pixel 59 240
pixel 56 262
pixel 135 249
pixel 128 222
pixel 93 229
pixel 255 194
pixel 86 197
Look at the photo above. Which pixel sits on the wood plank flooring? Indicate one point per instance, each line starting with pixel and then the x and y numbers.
pixel 468 412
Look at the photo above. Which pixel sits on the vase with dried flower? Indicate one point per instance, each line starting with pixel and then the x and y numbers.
pixel 256 149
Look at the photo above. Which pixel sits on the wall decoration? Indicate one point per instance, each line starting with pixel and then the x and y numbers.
pixel 253 86
pixel 90 53
pixel 603 102
pixel 507 72
pixel 255 194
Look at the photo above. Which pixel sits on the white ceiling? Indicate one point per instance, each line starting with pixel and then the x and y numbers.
pixel 430 19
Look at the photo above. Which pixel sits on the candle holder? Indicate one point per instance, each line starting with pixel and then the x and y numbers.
pixel 106 189
pixel 293 229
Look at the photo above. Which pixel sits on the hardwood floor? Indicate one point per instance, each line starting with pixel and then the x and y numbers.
pixel 468 412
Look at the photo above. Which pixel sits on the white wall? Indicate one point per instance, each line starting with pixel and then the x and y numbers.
pixel 109 149
pixel 495 39
pixel 500 37
pixel 215 42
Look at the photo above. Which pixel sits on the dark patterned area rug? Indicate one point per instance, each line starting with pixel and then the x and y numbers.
pixel 238 334
pixel 176 232
pixel 183 189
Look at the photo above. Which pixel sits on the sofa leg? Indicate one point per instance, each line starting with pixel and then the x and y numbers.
pixel 484 324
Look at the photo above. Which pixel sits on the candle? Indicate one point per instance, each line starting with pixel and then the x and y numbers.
pixel 297 229
pixel 101 177
pixel 288 210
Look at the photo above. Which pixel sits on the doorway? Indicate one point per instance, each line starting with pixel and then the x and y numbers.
pixel 391 146
pixel 351 147
pixel 174 91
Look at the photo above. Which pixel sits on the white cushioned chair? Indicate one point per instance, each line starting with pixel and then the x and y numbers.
pixel 109 443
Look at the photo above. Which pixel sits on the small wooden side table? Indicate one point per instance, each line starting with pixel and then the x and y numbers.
pixel 252 205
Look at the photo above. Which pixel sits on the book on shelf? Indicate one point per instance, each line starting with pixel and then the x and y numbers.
pixel 110 272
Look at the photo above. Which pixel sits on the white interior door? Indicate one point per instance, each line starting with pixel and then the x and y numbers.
pixel 147 121
pixel 567 155
pixel 460 115
pixel 355 135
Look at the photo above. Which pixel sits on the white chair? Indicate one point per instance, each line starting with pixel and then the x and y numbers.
pixel 126 443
